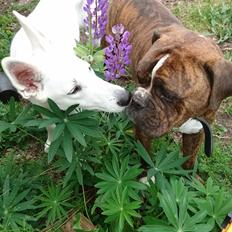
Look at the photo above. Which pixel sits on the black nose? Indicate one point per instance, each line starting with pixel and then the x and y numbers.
pixel 124 99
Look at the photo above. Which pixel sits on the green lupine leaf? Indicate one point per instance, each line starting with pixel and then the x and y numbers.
pixel 68 146
pixel 44 111
pixel 79 174
pixel 23 115
pixel 4 126
pixel 70 109
pixel 81 115
pixel 69 173
pixel 55 109
pixel 48 122
pixel 168 203
pixel 35 122
pixel 93 132
pixel 144 154
pixel 74 130
pixel 58 131
pixel 53 148
pixel 24 206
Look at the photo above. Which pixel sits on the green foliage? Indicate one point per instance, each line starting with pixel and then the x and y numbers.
pixel 118 176
pixel 53 203
pixel 12 118
pixel 217 166
pixel 210 17
pixel 189 208
pixel 15 204
pixel 118 192
pixel 119 209
pixel 69 128
pixel 94 56
pixel 165 164
pixel 219 20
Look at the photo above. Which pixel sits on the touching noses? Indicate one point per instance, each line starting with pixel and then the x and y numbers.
pixel 124 98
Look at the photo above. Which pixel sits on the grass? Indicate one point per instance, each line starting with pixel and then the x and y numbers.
pixel 8 23
pixel 211 17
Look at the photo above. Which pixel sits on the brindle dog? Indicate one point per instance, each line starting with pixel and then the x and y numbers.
pixel 192 81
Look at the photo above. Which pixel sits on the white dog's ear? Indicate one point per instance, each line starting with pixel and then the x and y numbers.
pixel 23 76
pixel 37 39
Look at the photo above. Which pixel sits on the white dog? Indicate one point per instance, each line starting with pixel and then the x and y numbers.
pixel 42 62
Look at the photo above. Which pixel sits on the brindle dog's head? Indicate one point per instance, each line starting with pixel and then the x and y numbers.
pixel 183 75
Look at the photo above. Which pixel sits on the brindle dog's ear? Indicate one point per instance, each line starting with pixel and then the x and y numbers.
pixel 150 59
pixel 220 76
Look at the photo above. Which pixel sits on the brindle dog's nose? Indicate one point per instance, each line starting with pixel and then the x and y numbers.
pixel 139 98
pixel 124 99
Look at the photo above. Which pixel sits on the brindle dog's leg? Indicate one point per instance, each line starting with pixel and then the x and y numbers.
pixel 191 144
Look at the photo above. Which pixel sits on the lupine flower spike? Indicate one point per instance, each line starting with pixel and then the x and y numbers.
pixel 117 54
pixel 96 19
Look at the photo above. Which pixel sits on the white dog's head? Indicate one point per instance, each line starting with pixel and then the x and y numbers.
pixel 61 76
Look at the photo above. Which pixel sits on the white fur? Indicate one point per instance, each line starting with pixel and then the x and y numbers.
pixel 192 126
pixel 145 180
pixel 159 64
pixel 45 45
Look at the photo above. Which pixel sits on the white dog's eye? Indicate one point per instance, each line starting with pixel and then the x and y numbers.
pixel 76 89
pixel 90 69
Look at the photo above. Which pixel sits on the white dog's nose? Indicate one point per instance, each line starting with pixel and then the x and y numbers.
pixel 124 98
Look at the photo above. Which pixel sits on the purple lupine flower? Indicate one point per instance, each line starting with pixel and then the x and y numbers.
pixel 96 18
pixel 117 54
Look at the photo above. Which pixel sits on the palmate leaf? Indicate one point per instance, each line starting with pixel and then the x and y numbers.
pixel 164 163
pixel 119 175
pixel 58 131
pixel 209 189
pixel 216 206
pixel 174 200
pixel 14 208
pixel 53 203
pixel 118 208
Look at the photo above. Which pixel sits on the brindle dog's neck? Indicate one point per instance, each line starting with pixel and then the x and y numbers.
pixel 141 19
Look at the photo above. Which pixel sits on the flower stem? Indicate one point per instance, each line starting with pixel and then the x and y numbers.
pixel 83 192
pixel 90 36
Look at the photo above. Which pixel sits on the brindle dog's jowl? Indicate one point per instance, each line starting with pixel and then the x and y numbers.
pixel 192 82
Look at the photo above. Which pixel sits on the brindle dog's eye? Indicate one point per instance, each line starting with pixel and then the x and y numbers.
pixel 76 89
pixel 164 93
